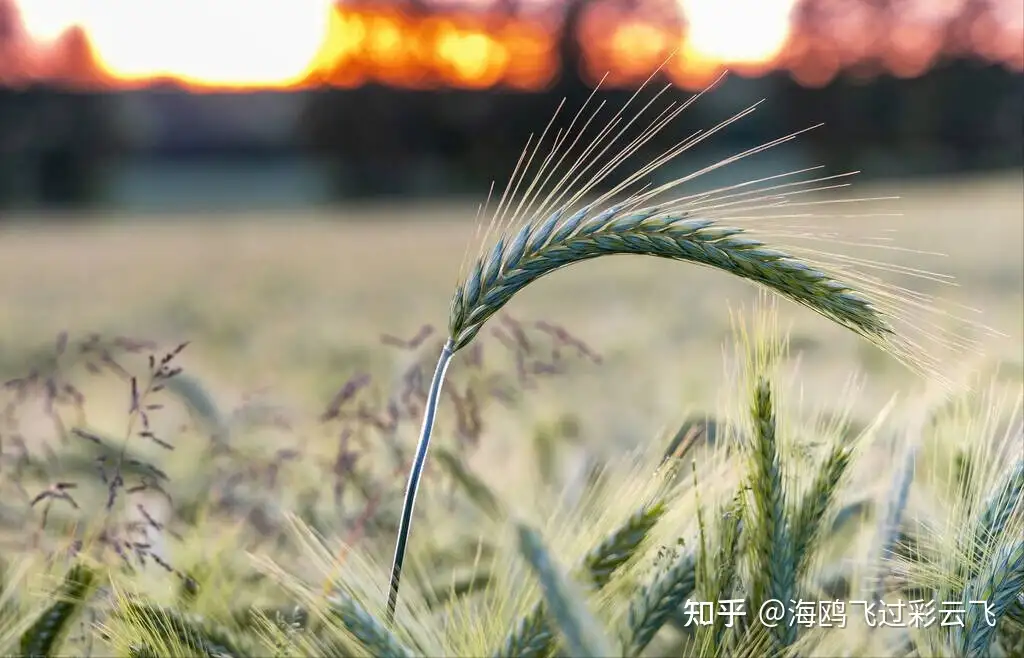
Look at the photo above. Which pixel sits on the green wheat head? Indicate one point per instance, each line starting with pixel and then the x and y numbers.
pixel 558 229
pixel 167 630
pixel 543 247
pixel 533 636
pixel 45 636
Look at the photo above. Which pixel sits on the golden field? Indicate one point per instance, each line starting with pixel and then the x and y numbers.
pixel 298 303
pixel 282 311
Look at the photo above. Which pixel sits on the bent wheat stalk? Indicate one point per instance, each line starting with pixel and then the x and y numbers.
pixel 561 231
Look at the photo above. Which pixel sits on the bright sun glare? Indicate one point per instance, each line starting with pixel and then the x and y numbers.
pixel 736 31
pixel 275 42
pixel 230 42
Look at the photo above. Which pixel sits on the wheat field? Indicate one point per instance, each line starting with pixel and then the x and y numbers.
pixel 299 302
pixel 287 316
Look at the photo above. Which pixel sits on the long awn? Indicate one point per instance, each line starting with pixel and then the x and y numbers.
pixel 557 228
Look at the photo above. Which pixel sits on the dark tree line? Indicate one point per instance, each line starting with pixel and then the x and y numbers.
pixel 54 147
pixel 962 114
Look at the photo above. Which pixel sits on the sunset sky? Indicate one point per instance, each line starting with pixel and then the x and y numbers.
pixel 224 41
pixel 235 44
pixel 275 41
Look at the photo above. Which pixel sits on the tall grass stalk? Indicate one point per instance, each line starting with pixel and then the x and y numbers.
pixel 415 472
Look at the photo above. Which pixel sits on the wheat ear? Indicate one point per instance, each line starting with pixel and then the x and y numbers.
pixel 373 635
pixel 45 636
pixel 532 635
pixel 816 503
pixel 1006 499
pixel 725 575
pixel 541 249
pixel 582 633
pixel 656 601
pixel 997 587
pixel 772 547
pixel 552 238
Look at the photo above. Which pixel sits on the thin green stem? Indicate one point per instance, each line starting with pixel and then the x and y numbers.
pixel 415 473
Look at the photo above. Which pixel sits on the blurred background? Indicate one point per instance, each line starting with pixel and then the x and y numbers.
pixel 145 105
pixel 237 173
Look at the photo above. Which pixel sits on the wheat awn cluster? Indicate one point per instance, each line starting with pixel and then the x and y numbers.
pixel 559 226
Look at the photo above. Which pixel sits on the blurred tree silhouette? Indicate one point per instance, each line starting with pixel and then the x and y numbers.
pixel 52 143
pixel 960 114
pixel 53 147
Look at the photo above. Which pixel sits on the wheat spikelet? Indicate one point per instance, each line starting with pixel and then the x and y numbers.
pixel 558 227
pixel 603 560
pixel 45 636
pixel 718 573
pixel 656 601
pixel 772 548
pixel 545 247
pixel 532 636
pixel 372 635
pixel 725 575
pixel 815 503
pixel 582 633
pixel 1006 498
pixel 813 508
pixel 998 585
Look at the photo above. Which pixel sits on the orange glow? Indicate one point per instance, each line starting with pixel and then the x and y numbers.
pixel 239 44
pixel 456 50
pixel 624 47
pixel 706 38
pixel 285 44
